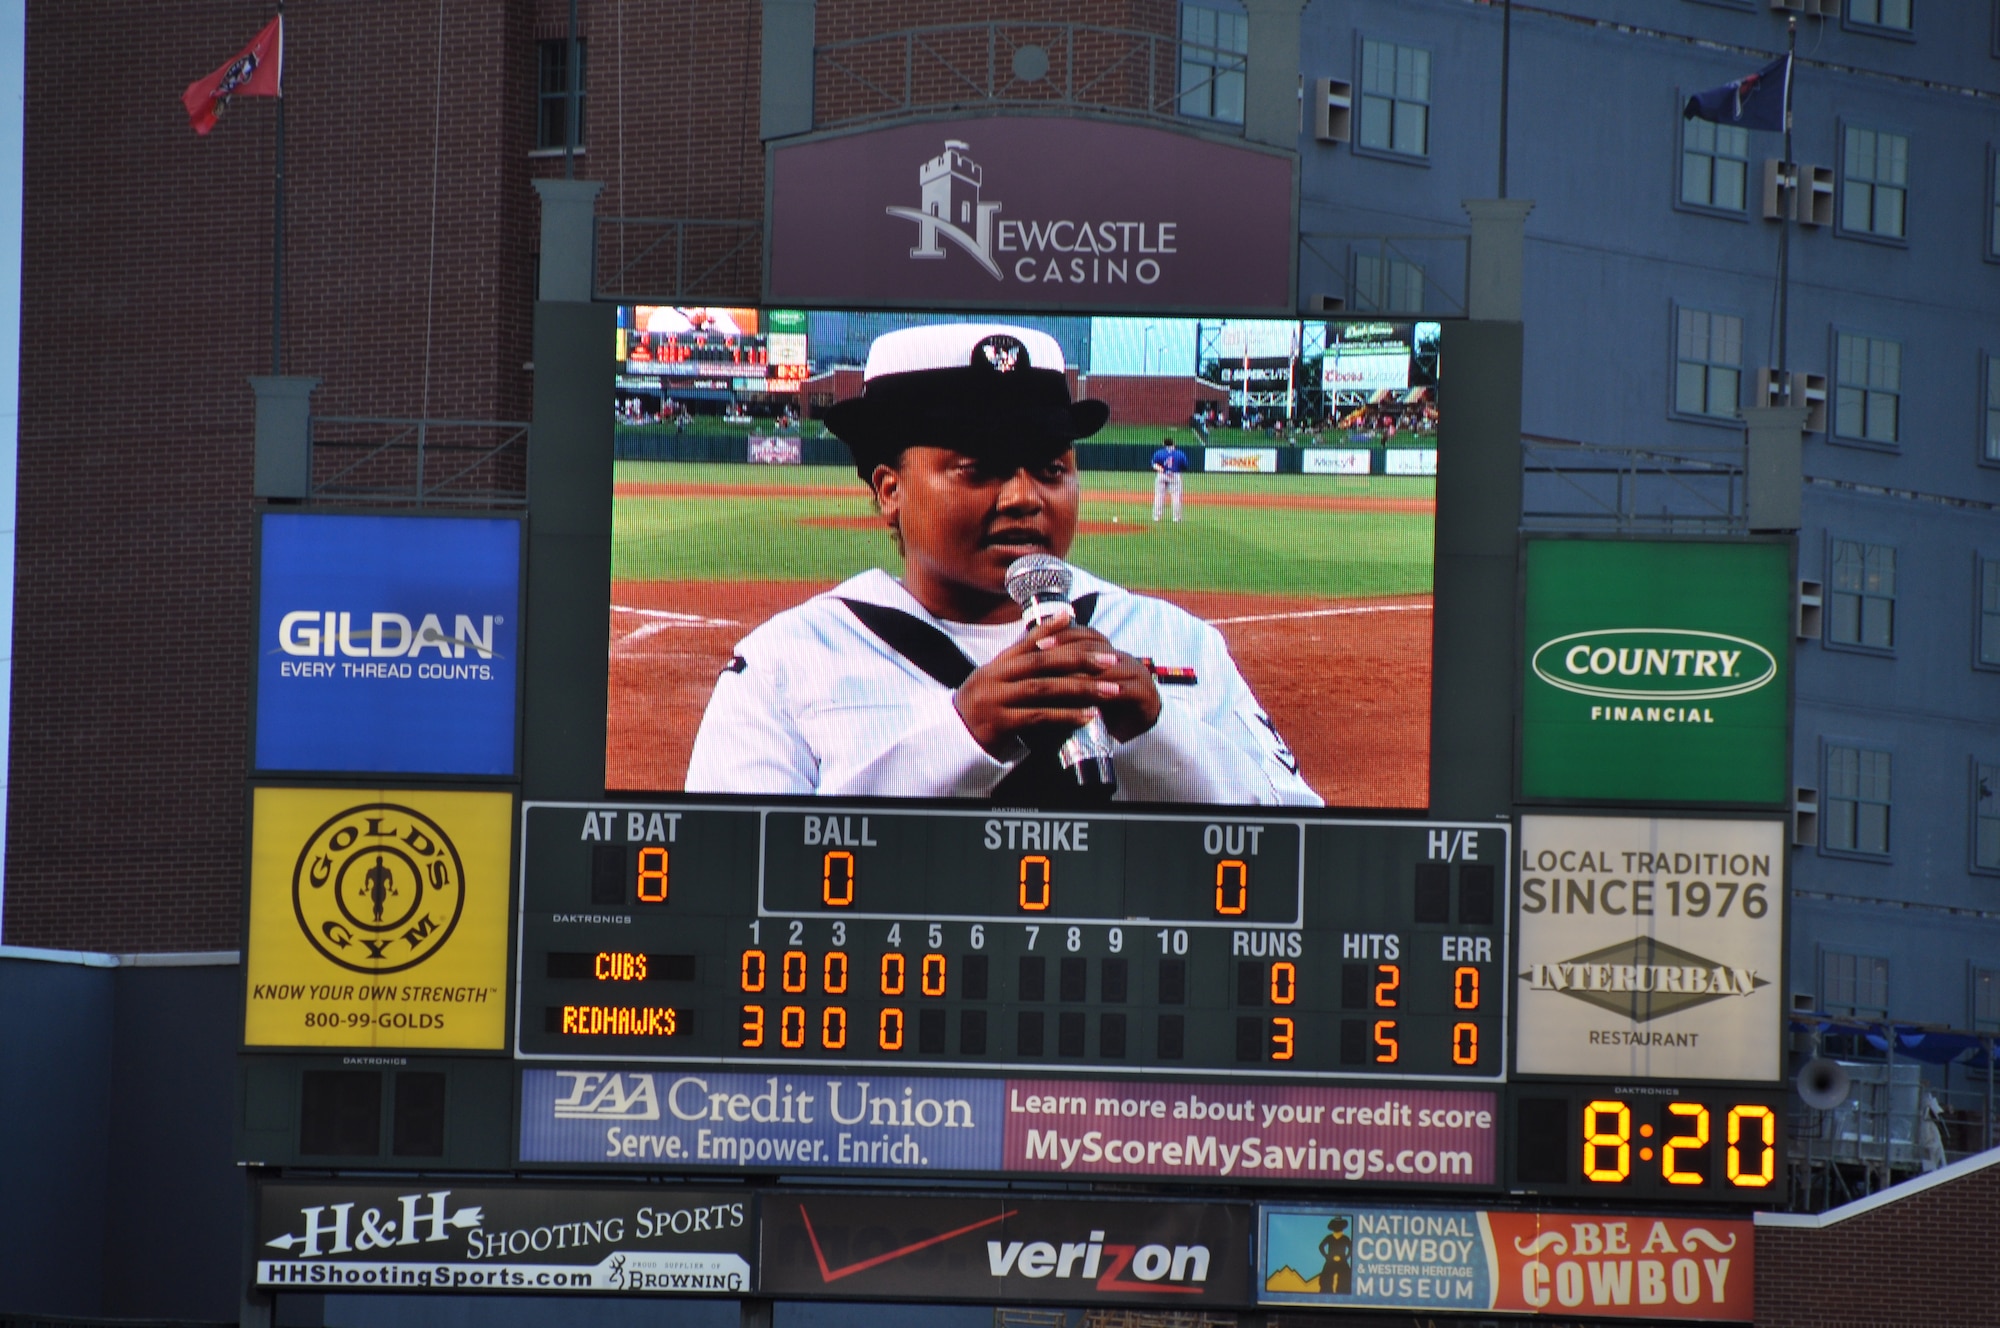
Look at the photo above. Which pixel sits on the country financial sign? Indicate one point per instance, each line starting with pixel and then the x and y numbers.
pixel 1026 212
pixel 378 918
pixel 1656 671
pixel 1650 948
pixel 387 644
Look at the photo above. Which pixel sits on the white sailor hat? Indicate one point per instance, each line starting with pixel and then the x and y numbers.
pixel 987 389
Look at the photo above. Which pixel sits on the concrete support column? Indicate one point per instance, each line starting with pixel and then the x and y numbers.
pixel 1271 81
pixel 1774 466
pixel 787 80
pixel 283 467
pixel 1493 265
pixel 568 238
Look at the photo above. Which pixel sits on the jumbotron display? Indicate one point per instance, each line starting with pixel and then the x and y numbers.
pixel 1013 940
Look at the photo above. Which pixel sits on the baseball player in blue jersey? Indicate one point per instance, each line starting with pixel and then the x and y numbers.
pixel 927 685
pixel 1169 464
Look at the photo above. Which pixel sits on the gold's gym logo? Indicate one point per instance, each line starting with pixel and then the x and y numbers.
pixel 378 888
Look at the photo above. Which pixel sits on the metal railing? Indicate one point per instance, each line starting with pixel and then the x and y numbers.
pixel 1440 258
pixel 431 463
pixel 1065 66
pixel 1571 485
pixel 667 260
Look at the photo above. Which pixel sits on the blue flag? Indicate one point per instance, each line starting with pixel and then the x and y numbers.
pixel 1755 101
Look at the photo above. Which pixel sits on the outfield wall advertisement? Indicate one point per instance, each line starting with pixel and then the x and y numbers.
pixel 750 1123
pixel 734 585
pixel 1656 671
pixel 1471 1260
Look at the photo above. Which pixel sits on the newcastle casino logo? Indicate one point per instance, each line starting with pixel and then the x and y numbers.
pixel 378 888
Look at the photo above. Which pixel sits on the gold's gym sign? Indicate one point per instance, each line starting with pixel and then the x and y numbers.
pixel 378 919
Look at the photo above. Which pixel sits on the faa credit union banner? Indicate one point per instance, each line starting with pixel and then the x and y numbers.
pixel 1656 671
pixel 1442 1259
pixel 875 1123
pixel 378 918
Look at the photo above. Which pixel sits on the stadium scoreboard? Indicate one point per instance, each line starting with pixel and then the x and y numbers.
pixel 1225 944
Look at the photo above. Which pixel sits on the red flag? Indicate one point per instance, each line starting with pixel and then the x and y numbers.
pixel 254 71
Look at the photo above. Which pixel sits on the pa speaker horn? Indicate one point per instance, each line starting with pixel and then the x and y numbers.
pixel 1823 1083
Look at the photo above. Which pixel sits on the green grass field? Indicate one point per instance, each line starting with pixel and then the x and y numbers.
pixel 1275 550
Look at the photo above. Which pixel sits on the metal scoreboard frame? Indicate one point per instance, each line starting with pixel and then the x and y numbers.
pixel 1342 1008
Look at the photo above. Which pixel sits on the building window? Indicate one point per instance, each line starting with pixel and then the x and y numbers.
pixel 1985 1002
pixel 1985 817
pixel 1892 14
pixel 1993 181
pixel 1989 612
pixel 1214 48
pixel 1387 285
pixel 1853 984
pixel 1855 810
pixel 1396 98
pixel 1991 450
pixel 1715 165
pixel 1875 176
pixel 1863 608
pixel 1708 363
pixel 1868 395
pixel 552 90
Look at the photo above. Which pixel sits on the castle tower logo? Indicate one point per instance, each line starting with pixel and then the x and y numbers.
pixel 950 208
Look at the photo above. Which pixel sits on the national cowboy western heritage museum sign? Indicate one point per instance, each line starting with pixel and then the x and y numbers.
pixel 1021 212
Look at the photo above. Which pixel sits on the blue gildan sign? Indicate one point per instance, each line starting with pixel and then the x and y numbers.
pixel 387 644
pixel 761 1122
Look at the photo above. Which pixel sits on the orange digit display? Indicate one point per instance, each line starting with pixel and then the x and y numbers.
pixel 836 880
pixel 1618 1139
pixel 889 1034
pixel 1465 1044
pixel 1387 1049
pixel 1284 1038
pixel 833 1028
pixel 1284 982
pixel 1465 989
pixel 1767 1135
pixel 753 970
pixel 895 972
pixel 792 1026
pixel 753 1026
pixel 792 973
pixel 1232 887
pixel 931 976
pixel 833 973
pixel 1389 980
pixel 1034 883
pixel 1669 1165
pixel 652 875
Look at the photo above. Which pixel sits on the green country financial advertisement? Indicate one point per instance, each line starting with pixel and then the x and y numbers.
pixel 1656 671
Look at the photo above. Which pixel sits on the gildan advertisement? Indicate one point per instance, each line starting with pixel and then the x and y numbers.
pixel 387 643
pixel 1005 1249
pixel 1473 1261
pixel 1035 559
pixel 330 1236
pixel 748 1123
pixel 1651 948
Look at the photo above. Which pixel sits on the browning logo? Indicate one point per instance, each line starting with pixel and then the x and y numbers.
pixel 1644 979
pixel 378 888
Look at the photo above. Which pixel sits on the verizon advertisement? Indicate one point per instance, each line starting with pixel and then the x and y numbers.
pixel 754 1124
pixel 1001 1249
pixel 1020 212
pixel 1650 948
pixel 444 1237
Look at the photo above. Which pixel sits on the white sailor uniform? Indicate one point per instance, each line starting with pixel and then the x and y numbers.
pixel 816 702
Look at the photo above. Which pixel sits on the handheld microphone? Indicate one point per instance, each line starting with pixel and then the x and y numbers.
pixel 1040 584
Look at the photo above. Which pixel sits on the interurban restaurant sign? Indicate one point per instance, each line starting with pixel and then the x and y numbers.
pixel 1024 212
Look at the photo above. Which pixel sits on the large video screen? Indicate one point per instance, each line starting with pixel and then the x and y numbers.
pixel 1222 531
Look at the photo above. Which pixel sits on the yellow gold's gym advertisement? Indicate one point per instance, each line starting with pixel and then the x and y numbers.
pixel 378 918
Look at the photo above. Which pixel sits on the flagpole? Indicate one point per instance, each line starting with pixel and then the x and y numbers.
pixel 278 218
pixel 1785 223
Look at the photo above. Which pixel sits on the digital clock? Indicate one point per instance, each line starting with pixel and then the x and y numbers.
pixel 1005 940
pixel 1654 1141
